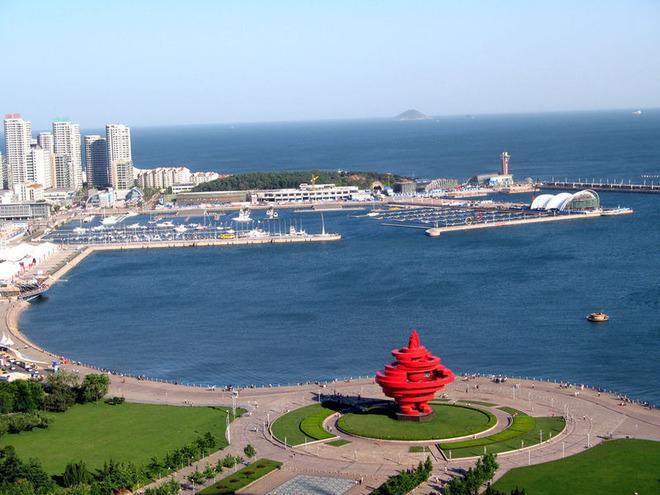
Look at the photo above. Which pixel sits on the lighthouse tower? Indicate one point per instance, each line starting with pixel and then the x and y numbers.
pixel 504 158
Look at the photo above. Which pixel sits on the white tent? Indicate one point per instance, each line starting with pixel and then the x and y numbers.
pixel 6 341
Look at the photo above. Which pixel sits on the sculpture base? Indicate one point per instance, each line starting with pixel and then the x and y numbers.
pixel 417 419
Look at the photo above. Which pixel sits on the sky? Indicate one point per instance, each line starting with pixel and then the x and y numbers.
pixel 187 62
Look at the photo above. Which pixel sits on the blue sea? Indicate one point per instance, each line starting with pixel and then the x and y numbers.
pixel 510 300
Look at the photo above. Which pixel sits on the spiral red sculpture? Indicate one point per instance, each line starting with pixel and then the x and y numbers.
pixel 413 380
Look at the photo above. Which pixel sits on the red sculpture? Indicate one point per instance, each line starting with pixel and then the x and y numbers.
pixel 414 378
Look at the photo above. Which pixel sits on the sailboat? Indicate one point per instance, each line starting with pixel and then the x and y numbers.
pixel 243 215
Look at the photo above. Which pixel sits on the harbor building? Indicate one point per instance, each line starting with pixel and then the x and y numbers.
pixel 66 143
pixel 212 198
pixel 405 187
pixel 585 200
pixel 308 192
pixel 96 161
pixel 18 137
pixel 24 211
pixel 120 159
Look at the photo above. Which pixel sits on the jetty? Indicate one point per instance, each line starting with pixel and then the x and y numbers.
pixel 601 185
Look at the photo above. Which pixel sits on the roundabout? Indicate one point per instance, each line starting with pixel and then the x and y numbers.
pixel 448 422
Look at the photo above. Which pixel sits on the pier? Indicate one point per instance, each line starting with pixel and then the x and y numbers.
pixel 601 185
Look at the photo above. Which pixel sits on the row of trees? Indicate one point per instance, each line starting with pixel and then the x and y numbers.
pixel 406 481
pixel 227 462
pixel 292 179
pixel 57 393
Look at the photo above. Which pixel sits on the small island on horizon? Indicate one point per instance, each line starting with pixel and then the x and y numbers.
pixel 412 114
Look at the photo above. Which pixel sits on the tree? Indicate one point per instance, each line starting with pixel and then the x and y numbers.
pixel 250 451
pixel 13 470
pixel 76 473
pixel 28 395
pixel 6 398
pixel 94 387
pixel 62 391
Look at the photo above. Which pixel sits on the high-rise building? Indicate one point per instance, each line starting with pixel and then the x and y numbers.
pixel 64 173
pixel 120 160
pixel 18 136
pixel 46 141
pixel 66 141
pixel 40 167
pixel 96 161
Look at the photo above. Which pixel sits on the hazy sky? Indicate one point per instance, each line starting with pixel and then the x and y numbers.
pixel 162 62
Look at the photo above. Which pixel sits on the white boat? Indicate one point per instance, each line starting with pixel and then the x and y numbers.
pixel 131 214
pixel 271 213
pixel 165 225
pixel 180 229
pixel 256 234
pixel 134 226
pixel 294 231
pixel 111 220
pixel 243 215
pixel 80 230
pixel 98 227
pixel 89 218
pixel 637 112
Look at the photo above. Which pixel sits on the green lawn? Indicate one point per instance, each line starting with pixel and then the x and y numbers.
pixel 339 442
pixel 302 425
pixel 523 432
pixel 244 477
pixel 128 432
pixel 449 421
pixel 512 411
pixel 418 449
pixel 614 467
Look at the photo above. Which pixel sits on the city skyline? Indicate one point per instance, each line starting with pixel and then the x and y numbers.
pixel 252 62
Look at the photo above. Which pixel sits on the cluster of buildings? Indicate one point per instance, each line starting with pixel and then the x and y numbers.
pixel 50 165
pixel 49 168
pixel 179 178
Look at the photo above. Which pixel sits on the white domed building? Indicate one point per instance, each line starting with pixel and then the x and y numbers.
pixel 585 200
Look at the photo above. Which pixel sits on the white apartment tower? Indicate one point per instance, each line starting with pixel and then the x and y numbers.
pixel 18 136
pixel 46 141
pixel 40 167
pixel 66 142
pixel 120 160
pixel 96 161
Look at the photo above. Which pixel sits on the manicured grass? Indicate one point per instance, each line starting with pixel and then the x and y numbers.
pixel 613 467
pixel 302 425
pixel 524 432
pixel 449 421
pixel 244 477
pixel 512 411
pixel 417 449
pixel 98 432
pixel 338 443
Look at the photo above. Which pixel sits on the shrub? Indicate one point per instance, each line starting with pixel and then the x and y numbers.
pixel 250 451
pixel 114 401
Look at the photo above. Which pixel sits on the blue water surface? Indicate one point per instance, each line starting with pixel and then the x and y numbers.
pixel 510 300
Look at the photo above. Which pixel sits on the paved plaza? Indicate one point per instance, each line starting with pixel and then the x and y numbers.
pixel 314 485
